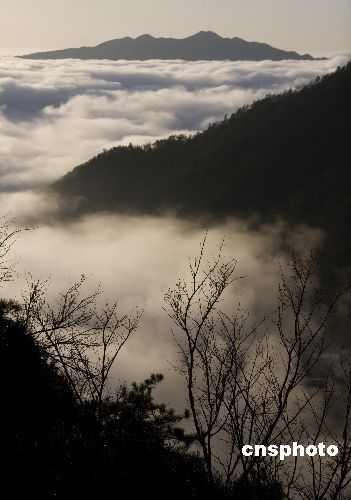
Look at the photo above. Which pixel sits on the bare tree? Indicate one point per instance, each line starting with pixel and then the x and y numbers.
pixel 81 338
pixel 331 476
pixel 8 234
pixel 192 307
pixel 250 383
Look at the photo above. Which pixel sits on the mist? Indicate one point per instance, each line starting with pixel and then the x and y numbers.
pixel 134 260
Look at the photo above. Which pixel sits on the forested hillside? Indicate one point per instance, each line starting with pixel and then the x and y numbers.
pixel 286 155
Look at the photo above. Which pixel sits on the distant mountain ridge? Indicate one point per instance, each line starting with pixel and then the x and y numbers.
pixel 204 45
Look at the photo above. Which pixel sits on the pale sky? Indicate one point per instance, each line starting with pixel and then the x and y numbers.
pixel 316 26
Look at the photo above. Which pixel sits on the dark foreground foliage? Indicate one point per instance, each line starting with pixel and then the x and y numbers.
pixel 55 447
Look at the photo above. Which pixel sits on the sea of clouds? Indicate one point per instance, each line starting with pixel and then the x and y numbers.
pixel 57 114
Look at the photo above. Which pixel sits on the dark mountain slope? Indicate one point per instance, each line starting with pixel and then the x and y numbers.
pixel 201 46
pixel 286 155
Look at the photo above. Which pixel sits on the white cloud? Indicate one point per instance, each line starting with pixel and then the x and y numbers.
pixel 57 114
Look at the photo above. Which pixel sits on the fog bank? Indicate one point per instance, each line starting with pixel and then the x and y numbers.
pixel 135 260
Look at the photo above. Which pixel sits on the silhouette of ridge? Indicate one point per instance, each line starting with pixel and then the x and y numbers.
pixel 204 45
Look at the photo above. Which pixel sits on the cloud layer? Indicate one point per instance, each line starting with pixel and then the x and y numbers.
pixel 137 259
pixel 57 114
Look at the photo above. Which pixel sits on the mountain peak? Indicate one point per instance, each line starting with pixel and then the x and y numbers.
pixel 146 36
pixel 202 46
pixel 206 34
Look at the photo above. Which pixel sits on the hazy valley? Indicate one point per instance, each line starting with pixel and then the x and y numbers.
pixel 118 179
